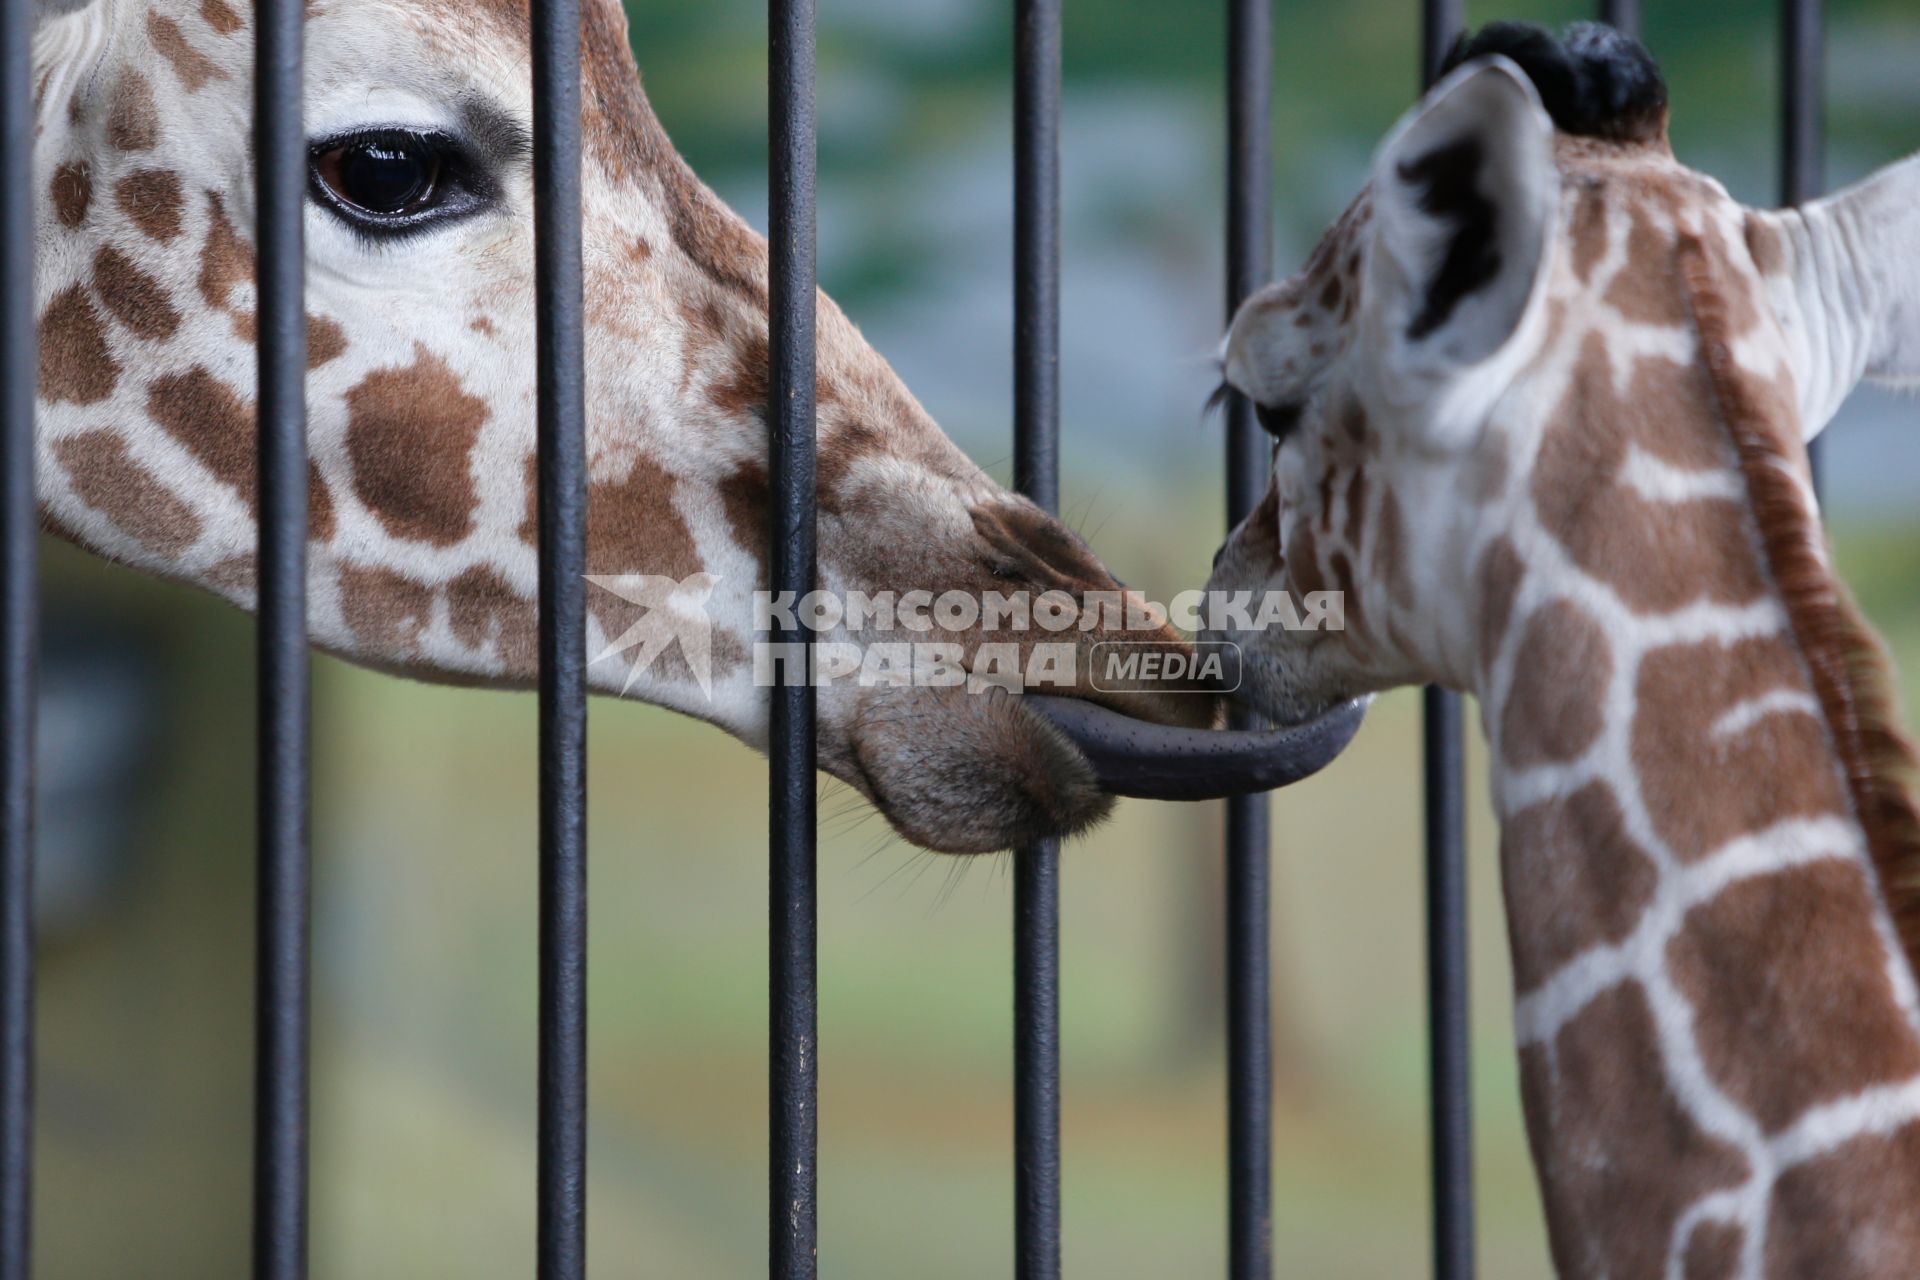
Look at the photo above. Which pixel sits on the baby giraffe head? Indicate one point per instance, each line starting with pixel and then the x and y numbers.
pixel 1542 401
pixel 1496 358
pixel 420 393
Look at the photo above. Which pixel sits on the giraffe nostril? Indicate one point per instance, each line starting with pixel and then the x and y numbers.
pixel 1025 543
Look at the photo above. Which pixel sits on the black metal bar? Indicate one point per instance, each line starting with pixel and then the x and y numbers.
pixel 561 1174
pixel 1621 15
pixel 1450 1071
pixel 793 1075
pixel 1036 473
pixel 1449 1064
pixel 1441 22
pixel 19 636
pixel 1803 150
pixel 1249 1001
pixel 284 891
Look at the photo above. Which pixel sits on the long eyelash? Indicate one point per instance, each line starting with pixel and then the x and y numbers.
pixel 1216 400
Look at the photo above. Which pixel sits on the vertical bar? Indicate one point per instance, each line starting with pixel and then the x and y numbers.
pixel 1248 849
pixel 284 954
pixel 1621 15
pixel 1450 1075
pixel 1803 153
pixel 1036 473
pixel 1449 1067
pixel 19 632
pixel 793 1075
pixel 561 1171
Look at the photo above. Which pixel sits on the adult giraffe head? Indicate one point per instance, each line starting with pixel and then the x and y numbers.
pixel 420 387
pixel 1542 398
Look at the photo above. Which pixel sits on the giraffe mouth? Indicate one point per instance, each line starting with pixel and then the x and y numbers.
pixel 1139 758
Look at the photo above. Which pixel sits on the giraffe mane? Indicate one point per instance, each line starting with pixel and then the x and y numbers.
pixel 1848 663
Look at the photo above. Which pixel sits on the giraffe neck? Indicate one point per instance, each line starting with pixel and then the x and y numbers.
pixel 1717 1024
pixel 1719 1056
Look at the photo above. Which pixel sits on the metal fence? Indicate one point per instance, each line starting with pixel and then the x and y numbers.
pixel 280 1187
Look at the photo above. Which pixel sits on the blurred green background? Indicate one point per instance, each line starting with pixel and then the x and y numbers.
pixel 424 823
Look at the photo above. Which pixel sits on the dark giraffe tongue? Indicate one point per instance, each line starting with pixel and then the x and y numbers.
pixel 1157 762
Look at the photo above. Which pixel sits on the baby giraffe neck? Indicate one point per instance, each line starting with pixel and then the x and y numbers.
pixel 1707 850
pixel 1719 1059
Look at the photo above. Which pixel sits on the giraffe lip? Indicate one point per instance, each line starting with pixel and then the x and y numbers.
pixel 1133 757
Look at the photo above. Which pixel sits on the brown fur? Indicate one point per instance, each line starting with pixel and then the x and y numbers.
pixel 72 191
pixel 410 434
pixel 1845 657
pixel 151 197
pixel 133 120
pixel 75 364
pixel 1792 1006
pixel 107 478
pixel 220 16
pixel 135 298
pixel 194 68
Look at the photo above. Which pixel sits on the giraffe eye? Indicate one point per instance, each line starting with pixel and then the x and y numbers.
pixel 388 181
pixel 1278 420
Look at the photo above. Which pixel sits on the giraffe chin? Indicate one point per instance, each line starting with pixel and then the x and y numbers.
pixel 964 772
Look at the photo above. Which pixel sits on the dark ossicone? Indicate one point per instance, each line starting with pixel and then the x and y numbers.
pixel 1594 81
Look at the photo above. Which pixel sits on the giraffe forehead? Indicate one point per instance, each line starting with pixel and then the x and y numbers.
pixel 1287 335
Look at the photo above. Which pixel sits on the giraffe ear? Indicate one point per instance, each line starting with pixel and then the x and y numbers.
pixel 1843 274
pixel 1870 236
pixel 1465 192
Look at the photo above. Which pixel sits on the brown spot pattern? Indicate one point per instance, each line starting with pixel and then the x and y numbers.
pixel 1588 229
pixel 135 298
pixel 212 420
pixel 320 524
pixel 1658 556
pixel 107 478
pixel 1849 1215
pixel 743 496
pixel 225 259
pixel 1647 289
pixel 1496 584
pixel 1573 878
pixel 220 16
pixel 72 191
pixel 133 121
pixel 1619 1159
pixel 1792 1006
pixel 487 613
pixel 410 434
pixel 1681 692
pixel 386 610
pixel 235 574
pixel 1555 709
pixel 193 67
pixel 633 526
pixel 1713 1252
pixel 326 340
pixel 152 199
pixel 75 365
